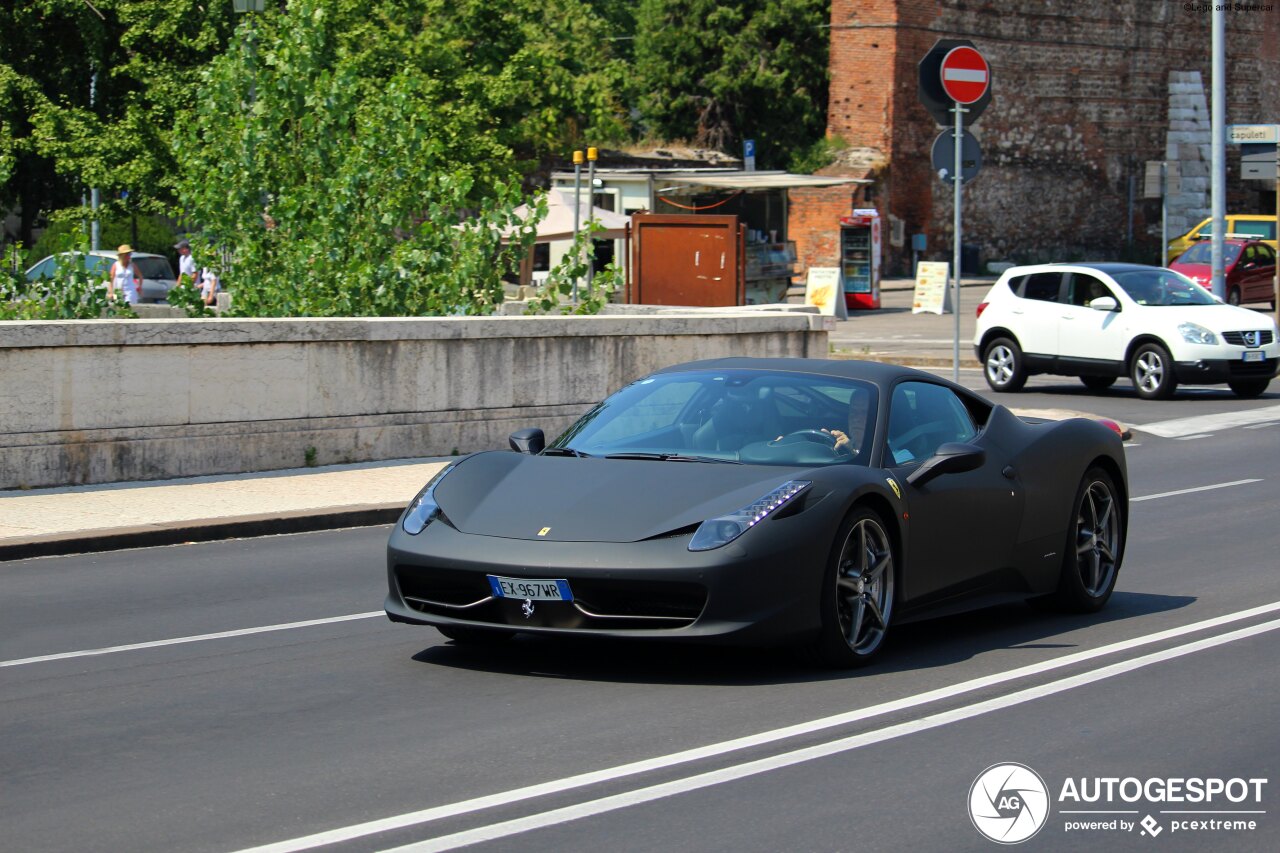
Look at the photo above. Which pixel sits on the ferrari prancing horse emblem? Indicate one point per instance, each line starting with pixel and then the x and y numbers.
pixel 544 531
pixel 527 608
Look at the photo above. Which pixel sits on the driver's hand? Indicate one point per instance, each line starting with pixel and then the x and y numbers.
pixel 842 440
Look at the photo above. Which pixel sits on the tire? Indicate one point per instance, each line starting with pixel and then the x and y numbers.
pixel 1151 372
pixel 1098 383
pixel 858 593
pixel 1094 547
pixel 1004 366
pixel 1249 388
pixel 1233 296
pixel 475 636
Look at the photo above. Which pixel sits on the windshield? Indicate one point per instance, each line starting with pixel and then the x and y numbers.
pixel 1153 286
pixel 1202 253
pixel 154 267
pixel 750 416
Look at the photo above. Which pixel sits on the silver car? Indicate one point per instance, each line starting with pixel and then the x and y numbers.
pixel 157 273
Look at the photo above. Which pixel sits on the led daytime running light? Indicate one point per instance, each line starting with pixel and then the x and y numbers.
pixel 717 532
pixel 424 509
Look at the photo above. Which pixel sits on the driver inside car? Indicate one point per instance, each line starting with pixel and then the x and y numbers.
pixel 847 443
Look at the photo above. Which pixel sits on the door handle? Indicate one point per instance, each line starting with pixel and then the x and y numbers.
pixel 1008 472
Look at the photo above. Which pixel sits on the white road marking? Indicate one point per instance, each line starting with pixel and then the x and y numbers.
pixel 1196 489
pixel 198 638
pixel 1194 437
pixel 1210 423
pixel 1267 425
pixel 508 828
pixel 611 774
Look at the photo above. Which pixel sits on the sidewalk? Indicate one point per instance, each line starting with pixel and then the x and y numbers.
pixel 81 519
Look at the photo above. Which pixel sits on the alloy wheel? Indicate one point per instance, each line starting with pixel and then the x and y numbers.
pixel 1000 365
pixel 1097 538
pixel 1148 371
pixel 864 587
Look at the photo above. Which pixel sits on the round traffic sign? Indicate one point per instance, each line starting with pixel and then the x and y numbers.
pixel 965 75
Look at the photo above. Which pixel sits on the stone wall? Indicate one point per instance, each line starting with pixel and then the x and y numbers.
pixel 114 400
pixel 1083 95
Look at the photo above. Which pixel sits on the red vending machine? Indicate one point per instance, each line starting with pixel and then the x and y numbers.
pixel 860 258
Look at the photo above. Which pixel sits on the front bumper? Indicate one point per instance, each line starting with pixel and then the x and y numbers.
pixel 1216 371
pixel 763 589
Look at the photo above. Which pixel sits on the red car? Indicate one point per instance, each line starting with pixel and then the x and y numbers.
pixel 1249 266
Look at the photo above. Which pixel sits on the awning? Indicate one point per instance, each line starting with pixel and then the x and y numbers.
pixel 757 180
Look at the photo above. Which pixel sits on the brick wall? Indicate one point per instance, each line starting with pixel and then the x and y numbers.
pixel 1081 99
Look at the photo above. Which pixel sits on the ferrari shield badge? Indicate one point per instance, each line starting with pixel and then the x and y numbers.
pixel 893 484
pixel 544 531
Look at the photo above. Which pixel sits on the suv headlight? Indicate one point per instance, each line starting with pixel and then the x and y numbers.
pixel 424 508
pixel 715 532
pixel 1194 333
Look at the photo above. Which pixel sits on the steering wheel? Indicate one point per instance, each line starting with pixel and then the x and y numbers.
pixel 815 435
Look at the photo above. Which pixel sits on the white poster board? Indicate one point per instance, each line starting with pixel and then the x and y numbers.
pixel 825 289
pixel 931 288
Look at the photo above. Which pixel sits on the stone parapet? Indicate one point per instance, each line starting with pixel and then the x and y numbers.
pixel 114 400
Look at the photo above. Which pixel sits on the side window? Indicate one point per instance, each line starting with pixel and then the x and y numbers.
pixel 1084 289
pixel 1266 256
pixel 1042 286
pixel 922 417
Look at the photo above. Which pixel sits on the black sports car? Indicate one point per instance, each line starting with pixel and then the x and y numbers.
pixel 780 500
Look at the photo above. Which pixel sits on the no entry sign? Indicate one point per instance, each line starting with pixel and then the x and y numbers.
pixel 965 75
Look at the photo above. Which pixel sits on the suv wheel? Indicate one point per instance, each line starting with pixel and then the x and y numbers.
pixel 1233 296
pixel 1003 365
pixel 1152 372
pixel 1248 387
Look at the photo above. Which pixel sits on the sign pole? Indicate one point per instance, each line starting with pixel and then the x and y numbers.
pixel 1164 213
pixel 955 177
pixel 1276 292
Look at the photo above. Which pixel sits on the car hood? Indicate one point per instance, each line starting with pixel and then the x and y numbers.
pixel 1216 318
pixel 517 496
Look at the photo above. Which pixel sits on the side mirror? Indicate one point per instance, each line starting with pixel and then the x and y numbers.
pixel 1105 303
pixel 951 458
pixel 529 440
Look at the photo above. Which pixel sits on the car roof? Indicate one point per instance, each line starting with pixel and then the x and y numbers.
pixel 1108 267
pixel 875 372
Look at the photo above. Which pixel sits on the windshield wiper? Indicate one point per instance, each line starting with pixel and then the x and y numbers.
pixel 669 457
pixel 564 451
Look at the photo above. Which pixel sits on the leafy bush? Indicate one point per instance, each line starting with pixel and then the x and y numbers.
pixel 69 227
pixel 73 293
pixel 556 293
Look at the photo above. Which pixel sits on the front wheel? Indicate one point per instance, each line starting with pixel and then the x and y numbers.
pixel 1003 365
pixel 1248 387
pixel 1095 545
pixel 1233 296
pixel 857 593
pixel 1151 372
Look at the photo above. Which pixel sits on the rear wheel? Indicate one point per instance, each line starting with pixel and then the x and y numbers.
pixel 1152 372
pixel 1098 383
pixel 475 636
pixel 1248 387
pixel 1233 296
pixel 1003 365
pixel 857 593
pixel 1095 543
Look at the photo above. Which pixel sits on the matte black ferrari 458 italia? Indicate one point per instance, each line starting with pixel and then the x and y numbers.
pixel 765 500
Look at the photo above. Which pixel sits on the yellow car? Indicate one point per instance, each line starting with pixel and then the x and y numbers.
pixel 1242 225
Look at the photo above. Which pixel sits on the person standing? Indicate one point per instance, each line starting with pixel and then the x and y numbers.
pixel 208 285
pixel 186 263
pixel 124 276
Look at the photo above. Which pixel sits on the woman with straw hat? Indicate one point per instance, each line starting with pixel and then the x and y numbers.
pixel 125 276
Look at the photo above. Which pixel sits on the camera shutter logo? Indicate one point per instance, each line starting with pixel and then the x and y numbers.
pixel 1008 803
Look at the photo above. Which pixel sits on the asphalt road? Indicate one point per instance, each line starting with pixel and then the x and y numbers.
pixel 223 724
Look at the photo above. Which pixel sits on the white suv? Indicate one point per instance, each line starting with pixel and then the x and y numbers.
pixel 1103 321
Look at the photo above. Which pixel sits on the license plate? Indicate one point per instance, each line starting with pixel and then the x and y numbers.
pixel 534 589
pixel 1256 355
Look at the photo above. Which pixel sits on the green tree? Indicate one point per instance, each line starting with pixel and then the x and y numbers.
pixel 140 57
pixel 339 178
pixel 719 72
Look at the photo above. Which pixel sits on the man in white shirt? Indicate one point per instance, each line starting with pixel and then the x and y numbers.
pixel 186 263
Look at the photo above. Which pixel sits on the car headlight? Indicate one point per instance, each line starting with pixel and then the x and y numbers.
pixel 424 508
pixel 715 532
pixel 1194 333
